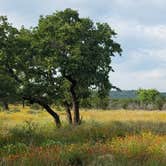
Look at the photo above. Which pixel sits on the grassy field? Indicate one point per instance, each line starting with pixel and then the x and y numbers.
pixel 120 138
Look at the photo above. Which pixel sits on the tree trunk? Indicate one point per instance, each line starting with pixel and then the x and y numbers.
pixel 77 120
pixel 6 106
pixel 68 112
pixel 23 104
pixel 75 104
pixel 53 114
pixel 75 100
pixel 46 107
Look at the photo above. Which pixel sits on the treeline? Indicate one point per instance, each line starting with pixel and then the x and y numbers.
pixel 127 94
pixel 123 94
pixel 144 99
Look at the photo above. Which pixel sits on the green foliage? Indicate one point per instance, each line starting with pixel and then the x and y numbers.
pixel 95 101
pixel 51 142
pixel 14 149
pixel 150 96
pixel 149 99
pixel 159 102
pixel 136 104
pixel 147 95
pixel 124 103
pixel 127 94
pixel 61 59
pixel 7 44
pixel 78 51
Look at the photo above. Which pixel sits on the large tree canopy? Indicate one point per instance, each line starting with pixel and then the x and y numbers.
pixel 79 50
pixel 62 59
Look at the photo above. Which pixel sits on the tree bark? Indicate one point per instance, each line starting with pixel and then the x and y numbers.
pixel 68 112
pixel 54 114
pixel 75 104
pixel 75 100
pixel 6 106
pixel 23 104
pixel 46 107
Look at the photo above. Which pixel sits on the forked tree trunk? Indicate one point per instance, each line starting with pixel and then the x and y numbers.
pixel 46 107
pixel 75 100
pixel 68 112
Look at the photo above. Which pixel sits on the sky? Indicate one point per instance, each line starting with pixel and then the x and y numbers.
pixel 140 27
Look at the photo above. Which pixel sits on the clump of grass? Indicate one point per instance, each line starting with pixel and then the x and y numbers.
pixel 14 149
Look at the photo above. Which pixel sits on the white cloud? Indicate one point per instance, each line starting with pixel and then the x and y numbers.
pixel 140 79
pixel 140 2
pixel 144 69
pixel 134 29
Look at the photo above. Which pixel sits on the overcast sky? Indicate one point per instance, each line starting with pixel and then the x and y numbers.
pixel 141 28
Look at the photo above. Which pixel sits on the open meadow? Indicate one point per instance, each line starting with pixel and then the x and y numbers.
pixel 56 61
pixel 28 136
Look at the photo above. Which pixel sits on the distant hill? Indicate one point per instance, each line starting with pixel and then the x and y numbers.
pixel 124 94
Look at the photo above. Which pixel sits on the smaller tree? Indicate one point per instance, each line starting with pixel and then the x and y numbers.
pixel 149 96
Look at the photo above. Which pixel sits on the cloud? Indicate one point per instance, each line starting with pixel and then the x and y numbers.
pixel 135 35
pixel 143 69
pixel 147 11
pixel 137 30
pixel 140 25
pixel 141 60
pixel 140 79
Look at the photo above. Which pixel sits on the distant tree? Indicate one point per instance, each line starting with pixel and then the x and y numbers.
pixel 79 50
pixel 149 96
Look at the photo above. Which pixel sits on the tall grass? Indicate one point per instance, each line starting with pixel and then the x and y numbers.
pixel 104 138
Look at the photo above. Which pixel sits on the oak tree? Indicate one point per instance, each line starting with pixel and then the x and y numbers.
pixel 80 51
